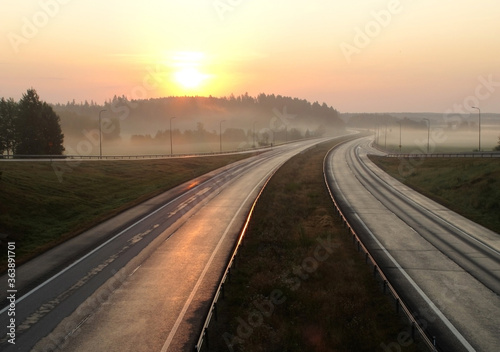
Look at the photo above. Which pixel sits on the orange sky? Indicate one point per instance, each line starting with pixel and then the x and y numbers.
pixel 373 56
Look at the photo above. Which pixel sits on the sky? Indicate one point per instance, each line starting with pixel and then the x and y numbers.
pixel 357 55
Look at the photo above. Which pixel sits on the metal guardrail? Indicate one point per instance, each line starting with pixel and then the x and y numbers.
pixel 212 312
pixel 400 304
pixel 122 157
pixel 446 155
pixel 142 156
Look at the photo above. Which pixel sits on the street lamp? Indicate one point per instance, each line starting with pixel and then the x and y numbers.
pixel 400 136
pixel 100 134
pixel 377 135
pixel 428 133
pixel 475 107
pixel 171 150
pixel 220 134
pixel 385 136
pixel 253 134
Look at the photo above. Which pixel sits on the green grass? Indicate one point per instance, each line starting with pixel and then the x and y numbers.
pixel 323 301
pixel 468 186
pixel 37 211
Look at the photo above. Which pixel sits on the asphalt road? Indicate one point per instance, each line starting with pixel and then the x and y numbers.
pixel 445 267
pixel 142 281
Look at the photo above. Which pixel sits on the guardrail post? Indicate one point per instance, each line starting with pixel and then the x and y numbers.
pixel 215 311
pixel 222 290
pixel 366 257
pixel 413 330
pixel 205 332
pixel 375 270
pixel 385 286
pixel 397 305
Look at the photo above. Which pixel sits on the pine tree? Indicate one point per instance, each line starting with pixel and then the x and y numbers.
pixel 38 127
pixel 8 116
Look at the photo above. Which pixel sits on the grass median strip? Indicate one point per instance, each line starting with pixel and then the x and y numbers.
pixel 299 283
pixel 37 211
pixel 468 186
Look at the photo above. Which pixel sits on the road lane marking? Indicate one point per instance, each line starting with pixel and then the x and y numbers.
pixel 205 270
pixel 189 200
pixel 422 208
pixel 436 310
pixel 48 306
pixel 100 247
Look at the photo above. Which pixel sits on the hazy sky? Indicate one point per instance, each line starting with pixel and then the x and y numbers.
pixel 356 55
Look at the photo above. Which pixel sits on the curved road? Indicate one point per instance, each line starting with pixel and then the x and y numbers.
pixel 149 282
pixel 445 267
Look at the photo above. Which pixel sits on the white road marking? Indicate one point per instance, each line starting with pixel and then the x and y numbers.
pixel 436 310
pixel 189 200
pixel 97 249
pixel 205 270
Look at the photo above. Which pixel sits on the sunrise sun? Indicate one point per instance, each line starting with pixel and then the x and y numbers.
pixel 189 70
pixel 189 77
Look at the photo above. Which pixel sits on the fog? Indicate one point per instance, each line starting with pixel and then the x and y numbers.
pixel 457 133
pixel 187 125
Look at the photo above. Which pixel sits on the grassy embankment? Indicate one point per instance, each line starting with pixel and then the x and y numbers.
pixel 299 283
pixel 37 211
pixel 468 186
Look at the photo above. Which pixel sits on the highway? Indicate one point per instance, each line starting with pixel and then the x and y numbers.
pixel 141 281
pixel 446 268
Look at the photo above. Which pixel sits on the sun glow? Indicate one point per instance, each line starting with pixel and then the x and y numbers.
pixel 188 67
pixel 189 77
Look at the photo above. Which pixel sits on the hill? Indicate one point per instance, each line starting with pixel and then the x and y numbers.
pixel 144 125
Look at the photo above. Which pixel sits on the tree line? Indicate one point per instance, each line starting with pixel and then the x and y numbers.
pixel 29 127
pixel 147 116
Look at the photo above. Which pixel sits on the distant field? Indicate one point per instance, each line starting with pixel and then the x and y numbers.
pixel 470 187
pixel 38 211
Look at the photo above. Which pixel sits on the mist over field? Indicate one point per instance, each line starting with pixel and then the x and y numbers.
pixel 194 123
pixel 447 133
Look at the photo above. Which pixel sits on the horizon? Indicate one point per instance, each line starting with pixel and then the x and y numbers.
pixel 373 57
pixel 107 100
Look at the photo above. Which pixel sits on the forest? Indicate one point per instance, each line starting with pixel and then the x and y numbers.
pixel 195 123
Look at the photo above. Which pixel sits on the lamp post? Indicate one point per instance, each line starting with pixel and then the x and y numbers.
pixel 253 134
pixel 378 134
pixel 220 134
pixel 171 149
pixel 428 133
pixel 400 136
pixel 385 136
pixel 100 134
pixel 479 110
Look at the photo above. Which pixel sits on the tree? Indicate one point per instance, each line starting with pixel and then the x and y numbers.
pixel 8 116
pixel 497 148
pixel 38 127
